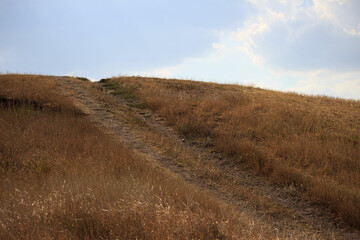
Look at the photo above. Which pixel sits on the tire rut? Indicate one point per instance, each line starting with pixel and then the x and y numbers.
pixel 316 219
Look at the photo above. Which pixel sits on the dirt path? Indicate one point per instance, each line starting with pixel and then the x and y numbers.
pixel 291 212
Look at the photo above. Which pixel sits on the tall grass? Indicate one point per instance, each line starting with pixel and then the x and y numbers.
pixel 36 91
pixel 63 178
pixel 311 142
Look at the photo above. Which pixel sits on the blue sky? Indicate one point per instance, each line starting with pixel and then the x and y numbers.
pixel 310 46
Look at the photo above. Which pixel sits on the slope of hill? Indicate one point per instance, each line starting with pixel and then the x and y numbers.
pixel 309 143
pixel 168 159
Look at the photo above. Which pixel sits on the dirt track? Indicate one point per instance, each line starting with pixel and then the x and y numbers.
pixel 291 211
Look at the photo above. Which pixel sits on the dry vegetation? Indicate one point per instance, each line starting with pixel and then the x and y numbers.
pixel 63 178
pixel 311 143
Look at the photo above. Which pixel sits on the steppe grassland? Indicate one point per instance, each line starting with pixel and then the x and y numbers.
pixel 61 177
pixel 309 142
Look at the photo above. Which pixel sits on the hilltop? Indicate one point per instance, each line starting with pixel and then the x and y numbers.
pixel 150 158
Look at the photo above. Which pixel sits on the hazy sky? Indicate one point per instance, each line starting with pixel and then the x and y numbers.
pixel 310 46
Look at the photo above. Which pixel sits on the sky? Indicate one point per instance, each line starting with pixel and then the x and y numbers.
pixel 306 46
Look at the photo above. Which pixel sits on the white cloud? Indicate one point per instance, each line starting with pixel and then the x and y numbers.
pixel 166 72
pixel 299 36
pixel 341 13
pixel 352 31
pixel 304 46
pixel 256 26
pixel 316 46
pixel 345 85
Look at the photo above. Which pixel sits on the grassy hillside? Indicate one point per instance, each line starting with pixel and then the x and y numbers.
pixel 63 178
pixel 310 143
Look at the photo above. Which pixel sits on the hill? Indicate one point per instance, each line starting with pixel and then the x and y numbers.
pixel 311 143
pixel 150 158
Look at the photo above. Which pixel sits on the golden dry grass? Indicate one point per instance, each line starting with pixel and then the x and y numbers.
pixel 63 178
pixel 310 142
pixel 38 91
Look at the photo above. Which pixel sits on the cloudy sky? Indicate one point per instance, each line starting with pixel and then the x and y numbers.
pixel 308 46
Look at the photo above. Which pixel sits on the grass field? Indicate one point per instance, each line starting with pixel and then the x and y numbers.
pixel 63 178
pixel 309 142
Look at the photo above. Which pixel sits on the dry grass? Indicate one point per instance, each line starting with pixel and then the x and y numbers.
pixel 39 92
pixel 62 178
pixel 312 143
